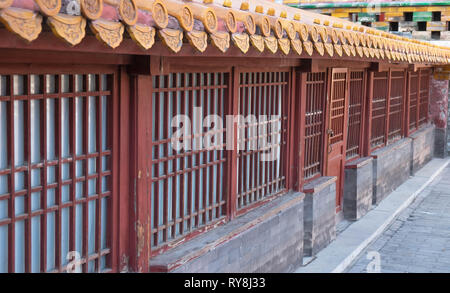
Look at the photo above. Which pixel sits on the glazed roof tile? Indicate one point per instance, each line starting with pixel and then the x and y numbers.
pixel 263 25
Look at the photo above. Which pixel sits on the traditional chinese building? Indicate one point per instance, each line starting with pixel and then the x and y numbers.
pixel 423 20
pixel 88 93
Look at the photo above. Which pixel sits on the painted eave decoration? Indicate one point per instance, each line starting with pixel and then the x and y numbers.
pixel 263 25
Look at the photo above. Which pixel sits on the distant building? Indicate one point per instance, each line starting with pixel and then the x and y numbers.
pixel 423 20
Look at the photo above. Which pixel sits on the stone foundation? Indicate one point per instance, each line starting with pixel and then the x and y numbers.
pixel 422 147
pixel 391 167
pixel 358 189
pixel 268 239
pixel 319 214
pixel 440 142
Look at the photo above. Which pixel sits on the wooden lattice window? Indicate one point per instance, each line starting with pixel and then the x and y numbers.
pixel 356 106
pixel 379 109
pixel 337 106
pixel 396 105
pixel 187 186
pixel 424 96
pixel 56 171
pixel 413 100
pixel 316 93
pixel 262 93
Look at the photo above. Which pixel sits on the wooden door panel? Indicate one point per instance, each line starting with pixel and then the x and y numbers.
pixel 337 129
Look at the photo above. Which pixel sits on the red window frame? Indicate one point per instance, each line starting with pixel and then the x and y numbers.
pixel 413 102
pixel 265 85
pixel 379 105
pixel 357 103
pixel 312 91
pixel 418 93
pixel 386 114
pixel 397 98
pixel 200 211
pixel 424 97
pixel 42 96
pixel 280 81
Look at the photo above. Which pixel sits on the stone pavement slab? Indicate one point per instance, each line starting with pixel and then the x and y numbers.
pixel 419 239
pixel 340 255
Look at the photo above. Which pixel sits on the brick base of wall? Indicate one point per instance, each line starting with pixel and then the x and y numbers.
pixel 358 189
pixel 391 167
pixel 440 142
pixel 422 147
pixel 276 236
pixel 319 214
pixel 267 239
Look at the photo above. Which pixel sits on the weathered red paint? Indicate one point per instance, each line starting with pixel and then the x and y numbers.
pixel 439 102
pixel 123 164
pixel 130 237
pixel 139 192
pixel 337 116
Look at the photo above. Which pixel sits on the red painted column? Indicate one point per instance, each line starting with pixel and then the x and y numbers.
pixel 141 111
pixel 124 170
pixel 438 111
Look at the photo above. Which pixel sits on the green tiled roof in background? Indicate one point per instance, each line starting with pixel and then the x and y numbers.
pixel 367 4
pixel 422 16
pixel 367 17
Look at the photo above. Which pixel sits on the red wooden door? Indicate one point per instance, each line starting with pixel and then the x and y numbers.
pixel 337 129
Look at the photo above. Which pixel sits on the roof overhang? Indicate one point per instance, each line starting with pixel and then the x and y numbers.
pixel 255 25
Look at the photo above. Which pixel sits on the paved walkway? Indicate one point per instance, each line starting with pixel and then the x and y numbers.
pixel 354 239
pixel 418 241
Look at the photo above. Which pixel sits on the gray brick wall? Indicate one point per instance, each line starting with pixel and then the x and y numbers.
pixel 440 142
pixel 267 239
pixel 391 167
pixel 422 148
pixel 358 188
pixel 319 214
